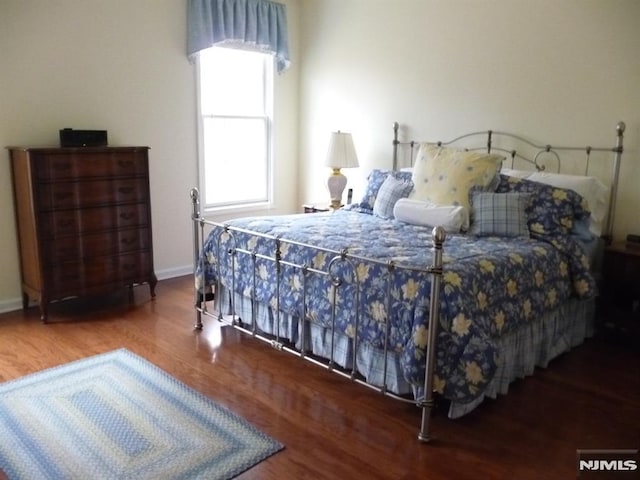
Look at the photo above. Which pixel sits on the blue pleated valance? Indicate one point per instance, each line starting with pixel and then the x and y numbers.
pixel 248 24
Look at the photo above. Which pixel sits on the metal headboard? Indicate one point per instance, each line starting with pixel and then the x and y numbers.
pixel 491 141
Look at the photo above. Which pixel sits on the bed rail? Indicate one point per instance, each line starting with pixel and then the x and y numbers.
pixel 535 155
pixel 248 326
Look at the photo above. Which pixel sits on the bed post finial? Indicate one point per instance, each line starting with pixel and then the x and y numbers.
pixel 195 195
pixel 195 203
pixel 439 235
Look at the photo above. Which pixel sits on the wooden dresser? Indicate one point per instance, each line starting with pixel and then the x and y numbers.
pixel 83 219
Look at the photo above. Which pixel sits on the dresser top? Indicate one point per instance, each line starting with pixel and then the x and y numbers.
pixel 54 149
pixel 625 248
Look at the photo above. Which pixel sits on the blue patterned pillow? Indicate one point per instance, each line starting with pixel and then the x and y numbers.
pixel 499 214
pixel 391 190
pixel 552 210
pixel 374 181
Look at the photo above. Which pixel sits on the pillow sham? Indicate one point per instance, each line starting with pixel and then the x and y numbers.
pixel 510 172
pixel 499 214
pixel 417 212
pixel 552 210
pixel 375 179
pixel 592 190
pixel 391 190
pixel 444 176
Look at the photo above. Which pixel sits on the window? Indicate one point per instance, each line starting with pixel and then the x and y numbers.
pixel 236 90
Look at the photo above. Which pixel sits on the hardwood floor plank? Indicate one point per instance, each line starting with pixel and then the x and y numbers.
pixel 332 428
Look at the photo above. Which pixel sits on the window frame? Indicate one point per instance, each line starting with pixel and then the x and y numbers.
pixel 268 70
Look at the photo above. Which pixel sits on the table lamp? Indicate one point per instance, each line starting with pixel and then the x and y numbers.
pixel 341 154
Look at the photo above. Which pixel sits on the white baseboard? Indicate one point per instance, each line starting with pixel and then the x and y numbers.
pixel 12 304
pixel 174 272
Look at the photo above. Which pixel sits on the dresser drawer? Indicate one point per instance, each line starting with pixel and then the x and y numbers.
pixel 55 166
pixel 88 246
pixel 87 220
pixel 134 267
pixel 92 193
pixel 98 275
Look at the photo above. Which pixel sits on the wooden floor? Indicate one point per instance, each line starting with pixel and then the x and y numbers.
pixel 332 429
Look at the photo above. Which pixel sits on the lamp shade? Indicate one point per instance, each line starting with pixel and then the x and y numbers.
pixel 341 153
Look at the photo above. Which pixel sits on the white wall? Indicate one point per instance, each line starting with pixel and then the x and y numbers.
pixel 559 71
pixel 118 65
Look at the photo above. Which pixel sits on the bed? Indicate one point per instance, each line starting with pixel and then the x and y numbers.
pixel 465 265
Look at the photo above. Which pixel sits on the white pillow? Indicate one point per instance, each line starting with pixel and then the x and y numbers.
pixel 417 212
pixel 591 189
pixel 510 172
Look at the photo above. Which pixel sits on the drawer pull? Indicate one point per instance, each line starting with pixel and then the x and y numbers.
pixel 129 267
pixel 125 163
pixel 126 190
pixel 127 216
pixel 62 167
pixel 62 195
pixel 65 223
pixel 128 241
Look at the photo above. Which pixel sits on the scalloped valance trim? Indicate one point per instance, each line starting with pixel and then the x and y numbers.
pixel 259 25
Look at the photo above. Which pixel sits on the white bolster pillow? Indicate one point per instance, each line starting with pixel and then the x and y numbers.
pixel 418 212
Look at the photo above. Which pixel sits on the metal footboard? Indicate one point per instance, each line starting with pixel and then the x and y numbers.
pixel 338 258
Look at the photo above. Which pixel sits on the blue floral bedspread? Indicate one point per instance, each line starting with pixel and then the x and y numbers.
pixel 490 286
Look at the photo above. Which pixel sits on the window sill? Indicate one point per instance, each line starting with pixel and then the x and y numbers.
pixel 237 209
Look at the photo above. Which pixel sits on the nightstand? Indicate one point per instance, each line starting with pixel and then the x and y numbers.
pixel 619 304
pixel 313 209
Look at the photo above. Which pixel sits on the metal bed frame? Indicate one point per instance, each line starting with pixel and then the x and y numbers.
pixel 438 236
pixel 427 402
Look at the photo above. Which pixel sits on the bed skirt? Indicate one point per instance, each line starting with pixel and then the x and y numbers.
pixel 535 345
pixel 521 351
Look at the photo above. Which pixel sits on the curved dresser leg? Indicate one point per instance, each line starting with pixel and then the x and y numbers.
pixel 152 285
pixel 44 310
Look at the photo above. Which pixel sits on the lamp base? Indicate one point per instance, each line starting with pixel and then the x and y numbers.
pixel 336 183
